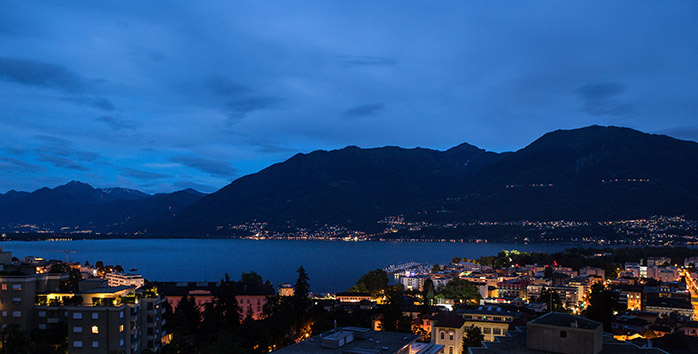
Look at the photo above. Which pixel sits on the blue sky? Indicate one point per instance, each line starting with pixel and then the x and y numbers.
pixel 166 95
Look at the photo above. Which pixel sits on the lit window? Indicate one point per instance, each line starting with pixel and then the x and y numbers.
pixel 4 314
pixel 95 344
pixel 95 329
pixel 121 314
pixel 77 315
pixel 4 286
pixel 95 316
pixel 16 313
pixel 77 329
pixel 16 286
pixel 77 344
pixel 121 328
pixel 121 342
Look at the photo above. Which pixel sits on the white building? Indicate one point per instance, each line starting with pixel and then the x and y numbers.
pixel 118 279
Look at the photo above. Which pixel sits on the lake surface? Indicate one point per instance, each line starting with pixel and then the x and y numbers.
pixel 331 265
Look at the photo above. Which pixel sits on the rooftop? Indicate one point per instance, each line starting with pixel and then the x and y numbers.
pixel 108 290
pixel 565 320
pixel 372 343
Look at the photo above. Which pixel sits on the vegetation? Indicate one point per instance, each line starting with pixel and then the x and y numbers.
pixel 460 290
pixel 472 337
pixel 372 282
pixel 602 305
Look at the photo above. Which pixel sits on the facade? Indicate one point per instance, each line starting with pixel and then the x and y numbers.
pixel 251 296
pixel 414 282
pixel 99 320
pixel 665 306
pixel 447 331
pixel 352 297
pixel 286 289
pixel 119 279
pixel 563 333
pixel 492 321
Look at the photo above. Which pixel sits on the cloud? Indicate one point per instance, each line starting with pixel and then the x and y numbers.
pixel 368 61
pixel 15 165
pixel 363 110
pixel 600 99
pixel 141 174
pixel 238 99
pixel 214 167
pixel 62 162
pixel 95 102
pixel 116 123
pixel 40 74
pixel 223 86
pixel 239 108
pixel 56 146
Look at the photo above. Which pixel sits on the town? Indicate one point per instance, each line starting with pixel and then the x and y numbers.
pixel 622 299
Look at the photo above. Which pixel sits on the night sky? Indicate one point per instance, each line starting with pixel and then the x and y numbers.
pixel 166 95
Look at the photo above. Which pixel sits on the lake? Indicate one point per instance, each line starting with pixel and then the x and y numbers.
pixel 331 265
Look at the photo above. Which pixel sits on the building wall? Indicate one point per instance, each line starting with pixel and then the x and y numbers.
pixel 17 297
pixel 111 324
pixel 564 339
pixel 489 329
pixel 452 339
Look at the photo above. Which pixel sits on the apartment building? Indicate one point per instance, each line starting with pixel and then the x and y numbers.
pixel 119 279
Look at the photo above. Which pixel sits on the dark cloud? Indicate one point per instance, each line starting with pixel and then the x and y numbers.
pixel 369 61
pixel 56 146
pixel 95 102
pixel 61 153
pixel 15 165
pixel 214 167
pixel 116 123
pixel 687 132
pixel 239 108
pixel 62 162
pixel 141 174
pixel 363 110
pixel 238 99
pixel 600 99
pixel 40 74
pixel 225 87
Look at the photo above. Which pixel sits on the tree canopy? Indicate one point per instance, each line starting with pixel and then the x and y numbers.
pixel 460 290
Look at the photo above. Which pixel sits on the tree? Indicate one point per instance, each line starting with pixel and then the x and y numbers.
pixel 602 304
pixel 456 260
pixel 548 273
pixel 372 282
pixel 251 277
pixel 428 292
pixel 301 303
pixel 552 299
pixel 472 337
pixel 393 320
pixel 460 290
pixel 436 268
pixel 119 268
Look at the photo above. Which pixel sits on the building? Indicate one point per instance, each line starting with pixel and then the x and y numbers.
pixel 413 282
pixel 492 321
pixel 512 289
pixel 561 333
pixel 447 330
pixel 251 296
pixel 18 294
pixel 98 319
pixel 665 306
pixel 119 279
pixel 354 340
pixel 564 333
pixel 286 289
pixel 352 297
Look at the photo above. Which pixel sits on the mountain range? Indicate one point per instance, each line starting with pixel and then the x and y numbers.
pixel 587 174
